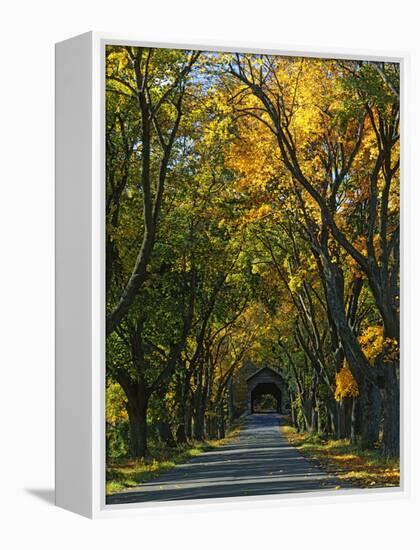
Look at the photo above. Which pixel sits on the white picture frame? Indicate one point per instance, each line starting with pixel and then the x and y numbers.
pixel 80 276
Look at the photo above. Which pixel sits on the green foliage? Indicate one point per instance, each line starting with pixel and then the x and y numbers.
pixel 247 188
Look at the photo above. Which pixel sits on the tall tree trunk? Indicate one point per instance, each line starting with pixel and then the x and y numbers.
pixel 370 403
pixel 328 428
pixel 292 410
pixel 339 418
pixel 188 419
pixel 165 433
pixel 319 427
pixel 181 434
pixel 181 431
pixel 391 412
pixel 164 425
pixel 307 408
pixel 199 424
pixel 353 421
pixel 210 429
pixel 198 413
pixel 221 420
pixel 137 415
pixel 346 406
pixel 333 413
pixel 231 402
pixel 314 419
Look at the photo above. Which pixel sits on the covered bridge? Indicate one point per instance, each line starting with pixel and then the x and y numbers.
pixel 266 381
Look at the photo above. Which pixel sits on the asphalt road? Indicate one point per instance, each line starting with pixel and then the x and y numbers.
pixel 259 461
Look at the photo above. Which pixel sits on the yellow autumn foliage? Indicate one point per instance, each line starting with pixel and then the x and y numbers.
pixel 372 341
pixel 373 344
pixel 345 384
pixel 259 213
pixel 115 404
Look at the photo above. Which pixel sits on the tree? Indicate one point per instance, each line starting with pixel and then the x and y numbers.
pixel 252 214
pixel 321 147
pixel 136 74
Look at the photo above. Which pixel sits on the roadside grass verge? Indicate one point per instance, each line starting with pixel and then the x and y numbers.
pixel 128 472
pixel 346 461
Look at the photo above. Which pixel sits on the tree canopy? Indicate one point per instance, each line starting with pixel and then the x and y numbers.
pixel 252 219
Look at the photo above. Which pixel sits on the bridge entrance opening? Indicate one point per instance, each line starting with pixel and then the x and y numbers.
pixel 265 398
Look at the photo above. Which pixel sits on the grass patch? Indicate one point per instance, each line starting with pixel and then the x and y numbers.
pixel 124 473
pixel 346 461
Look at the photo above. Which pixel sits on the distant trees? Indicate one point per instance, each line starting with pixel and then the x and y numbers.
pixel 252 215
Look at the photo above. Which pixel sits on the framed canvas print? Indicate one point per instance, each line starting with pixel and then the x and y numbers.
pixel 228 274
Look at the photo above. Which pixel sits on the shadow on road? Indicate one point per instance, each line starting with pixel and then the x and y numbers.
pixel 259 462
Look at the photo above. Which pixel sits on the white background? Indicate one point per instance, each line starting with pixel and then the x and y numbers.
pixel 29 30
